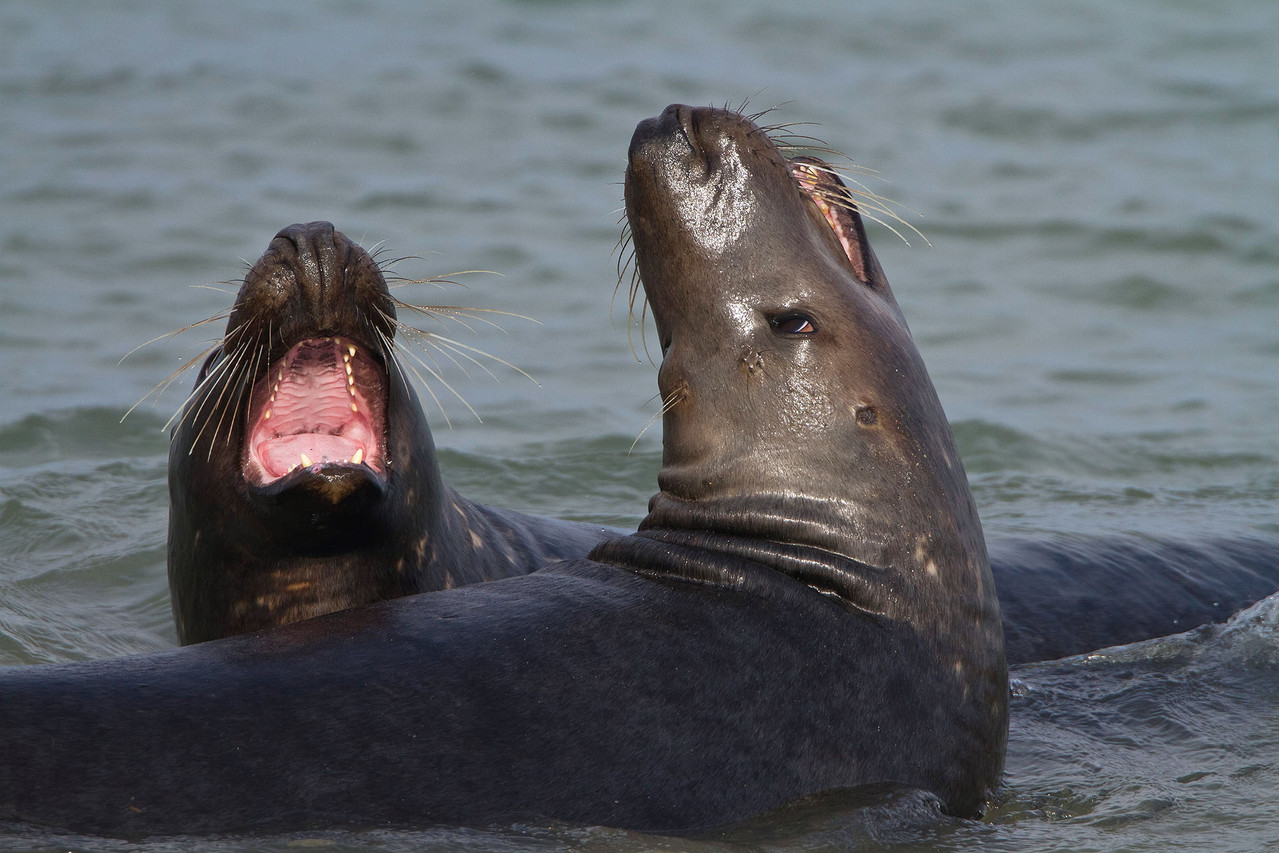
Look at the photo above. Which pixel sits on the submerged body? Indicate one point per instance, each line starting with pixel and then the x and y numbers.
pixel 302 473
pixel 584 692
pixel 1072 596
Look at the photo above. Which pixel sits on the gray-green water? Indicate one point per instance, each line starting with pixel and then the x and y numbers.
pixel 1099 308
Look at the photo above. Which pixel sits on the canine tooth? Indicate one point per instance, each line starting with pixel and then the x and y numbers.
pixel 306 460
pixel 351 349
pixel 358 457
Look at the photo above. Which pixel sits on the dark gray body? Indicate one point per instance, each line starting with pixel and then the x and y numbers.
pixel 584 692
pixel 1068 596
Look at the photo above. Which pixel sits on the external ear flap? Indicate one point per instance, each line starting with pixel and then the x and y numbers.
pixel 836 203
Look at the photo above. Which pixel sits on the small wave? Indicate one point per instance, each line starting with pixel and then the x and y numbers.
pixel 87 432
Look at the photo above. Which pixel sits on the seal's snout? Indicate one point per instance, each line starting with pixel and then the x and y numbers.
pixel 308 237
pixel 313 280
pixel 671 143
pixel 672 122
pixel 317 263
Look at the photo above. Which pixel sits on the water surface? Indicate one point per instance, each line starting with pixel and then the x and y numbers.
pixel 1097 300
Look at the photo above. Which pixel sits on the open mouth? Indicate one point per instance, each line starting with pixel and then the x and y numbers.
pixel 322 404
pixel 830 195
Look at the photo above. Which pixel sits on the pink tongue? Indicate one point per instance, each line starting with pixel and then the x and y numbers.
pixel 311 420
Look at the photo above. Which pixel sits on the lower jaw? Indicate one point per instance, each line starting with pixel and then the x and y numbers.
pixel 334 499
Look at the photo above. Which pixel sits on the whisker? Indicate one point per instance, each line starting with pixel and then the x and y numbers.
pixel 439 313
pixel 446 353
pixel 625 261
pixel 675 398
pixel 870 211
pixel 244 357
pixel 868 203
pixel 208 380
pixel 390 349
pixel 394 349
pixel 229 347
pixel 899 234
pixel 233 382
pixel 758 114
pixel 424 338
pixel 384 265
pixel 624 258
pixel 214 287
pixel 861 189
pixel 224 378
pixel 436 375
pixel 163 385
pixel 243 395
pixel 439 281
pixel 221 315
pixel 469 352
pixel 782 135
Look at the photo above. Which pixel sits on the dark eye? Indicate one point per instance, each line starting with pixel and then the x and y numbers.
pixel 794 324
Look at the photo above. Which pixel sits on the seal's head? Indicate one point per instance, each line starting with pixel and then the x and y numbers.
pixel 801 430
pixel 788 374
pixel 298 391
pixel 302 473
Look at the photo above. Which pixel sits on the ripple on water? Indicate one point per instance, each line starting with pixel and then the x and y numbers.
pixel 1152 732
pixel 84 526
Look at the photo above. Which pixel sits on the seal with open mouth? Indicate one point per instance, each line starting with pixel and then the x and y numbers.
pixel 302 473
pixel 806 607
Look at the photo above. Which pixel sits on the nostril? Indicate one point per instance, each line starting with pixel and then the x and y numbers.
pixel 306 237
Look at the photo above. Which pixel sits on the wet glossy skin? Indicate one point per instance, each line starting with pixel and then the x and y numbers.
pixel 831 435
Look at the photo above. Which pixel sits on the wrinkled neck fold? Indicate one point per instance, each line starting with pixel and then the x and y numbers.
pixel 753 543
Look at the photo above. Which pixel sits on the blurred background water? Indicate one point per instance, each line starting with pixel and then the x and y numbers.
pixel 1098 302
